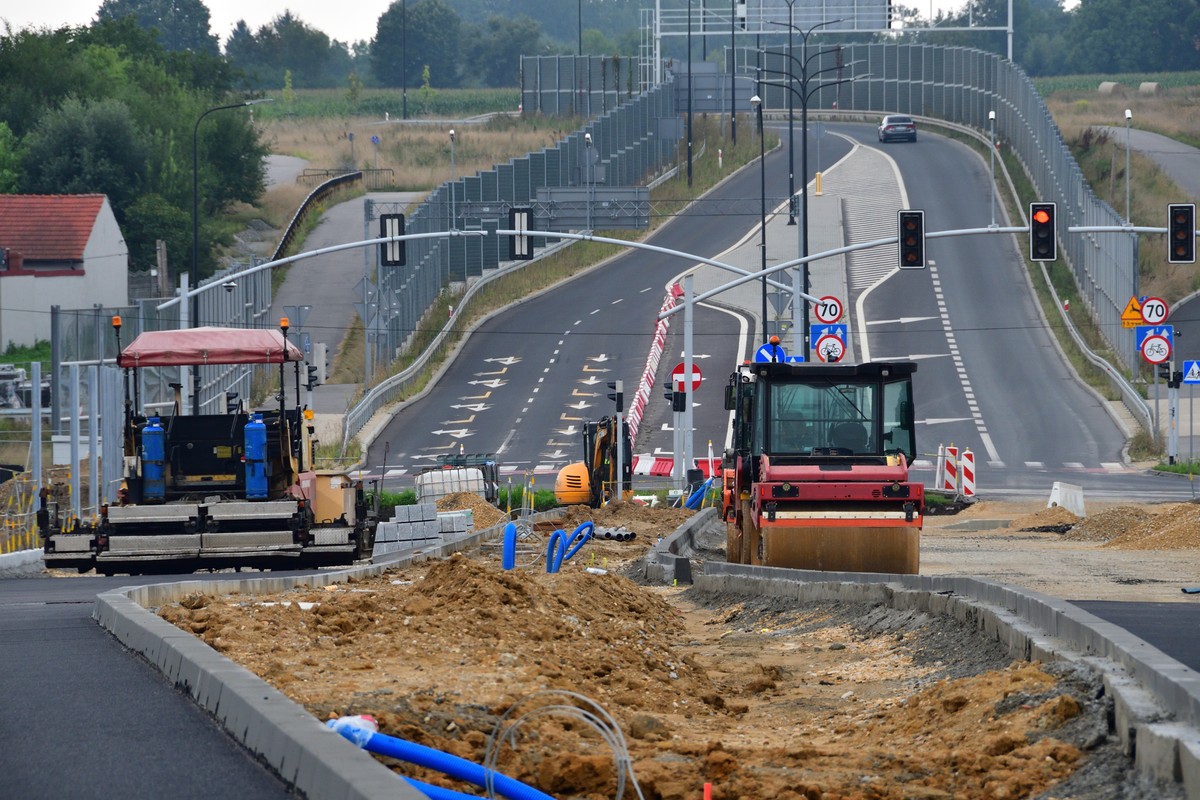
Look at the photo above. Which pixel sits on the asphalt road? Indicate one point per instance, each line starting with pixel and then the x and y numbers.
pixel 85 719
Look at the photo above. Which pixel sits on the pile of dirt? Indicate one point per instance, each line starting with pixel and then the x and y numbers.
pixel 759 697
pixel 484 513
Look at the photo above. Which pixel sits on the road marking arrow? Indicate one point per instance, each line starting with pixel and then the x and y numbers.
pixel 459 433
pixel 590 380
pixel 483 396
pixel 494 383
pixel 580 406
pixel 557 454
pixel 941 420
pixel 507 361
pixel 497 372
pixel 577 393
pixel 600 358
pixel 586 368
pixel 570 430
pixel 476 407
pixel 466 421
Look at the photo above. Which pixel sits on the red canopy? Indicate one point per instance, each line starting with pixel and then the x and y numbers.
pixel 192 346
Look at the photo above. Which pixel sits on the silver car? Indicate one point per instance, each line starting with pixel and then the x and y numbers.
pixel 897 127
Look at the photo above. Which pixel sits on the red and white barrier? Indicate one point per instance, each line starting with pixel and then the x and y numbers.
pixel 950 470
pixel 637 406
pixel 966 472
pixel 646 464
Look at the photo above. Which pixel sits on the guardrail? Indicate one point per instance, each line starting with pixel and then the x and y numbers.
pixel 314 197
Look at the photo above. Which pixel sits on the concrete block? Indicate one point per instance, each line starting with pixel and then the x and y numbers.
pixel 1189 766
pixel 1157 751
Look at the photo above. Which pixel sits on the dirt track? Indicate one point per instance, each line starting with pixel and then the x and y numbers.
pixel 758 699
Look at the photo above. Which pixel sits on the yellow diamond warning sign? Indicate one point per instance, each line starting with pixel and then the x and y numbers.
pixel 1131 317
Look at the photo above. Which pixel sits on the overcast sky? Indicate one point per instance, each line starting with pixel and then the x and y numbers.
pixel 345 20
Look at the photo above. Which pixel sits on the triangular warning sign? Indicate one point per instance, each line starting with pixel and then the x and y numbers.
pixel 1133 311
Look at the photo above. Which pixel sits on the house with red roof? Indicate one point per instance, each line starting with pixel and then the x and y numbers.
pixel 64 250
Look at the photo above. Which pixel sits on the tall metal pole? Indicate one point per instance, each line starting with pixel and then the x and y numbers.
pixel 579 24
pixel 992 148
pixel 404 59
pixel 195 271
pixel 756 101
pixel 792 131
pixel 587 140
pixel 453 215
pixel 732 73
pixel 689 97
pixel 1133 236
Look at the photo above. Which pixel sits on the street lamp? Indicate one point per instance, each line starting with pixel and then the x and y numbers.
pixel 1128 120
pixel 453 215
pixel 992 148
pixel 195 271
pixel 805 96
pixel 587 140
pixel 756 104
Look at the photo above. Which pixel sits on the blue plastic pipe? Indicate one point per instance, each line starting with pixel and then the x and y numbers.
pixel 555 549
pixel 698 495
pixel 452 766
pixel 509 557
pixel 579 537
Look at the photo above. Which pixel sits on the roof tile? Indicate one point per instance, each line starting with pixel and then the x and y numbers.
pixel 48 227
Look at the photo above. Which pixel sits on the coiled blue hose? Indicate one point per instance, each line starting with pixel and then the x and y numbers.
pixel 560 548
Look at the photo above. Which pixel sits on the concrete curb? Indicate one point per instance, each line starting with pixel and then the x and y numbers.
pixel 22 562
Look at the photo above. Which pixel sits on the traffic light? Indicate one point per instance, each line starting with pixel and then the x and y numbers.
pixel 678 399
pixel 912 240
pixel 617 395
pixel 1181 233
pixel 1043 243
pixel 312 376
pixel 391 254
pixel 520 248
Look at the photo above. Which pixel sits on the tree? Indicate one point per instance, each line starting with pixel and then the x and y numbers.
pixel 1141 36
pixel 153 217
pixel 181 24
pixel 430 35
pixel 494 57
pixel 10 160
pixel 286 44
pixel 87 146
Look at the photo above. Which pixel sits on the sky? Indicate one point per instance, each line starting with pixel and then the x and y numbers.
pixel 345 20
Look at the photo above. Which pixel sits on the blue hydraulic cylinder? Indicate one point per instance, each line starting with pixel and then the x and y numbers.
pixel 154 456
pixel 256 458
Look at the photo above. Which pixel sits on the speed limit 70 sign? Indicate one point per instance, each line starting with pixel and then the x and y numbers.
pixel 828 309
pixel 1154 311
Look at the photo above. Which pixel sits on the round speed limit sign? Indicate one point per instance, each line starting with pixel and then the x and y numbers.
pixel 1154 311
pixel 828 309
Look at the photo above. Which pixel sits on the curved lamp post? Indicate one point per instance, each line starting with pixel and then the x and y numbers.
pixel 195 271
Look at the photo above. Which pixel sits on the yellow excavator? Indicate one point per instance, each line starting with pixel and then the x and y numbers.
pixel 593 481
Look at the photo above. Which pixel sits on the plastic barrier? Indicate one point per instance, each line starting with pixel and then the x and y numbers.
pixel 966 471
pixel 509 555
pixel 950 476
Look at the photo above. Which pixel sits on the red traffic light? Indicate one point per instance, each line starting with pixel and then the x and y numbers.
pixel 1041 216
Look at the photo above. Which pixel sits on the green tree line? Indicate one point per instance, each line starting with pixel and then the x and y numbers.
pixel 106 109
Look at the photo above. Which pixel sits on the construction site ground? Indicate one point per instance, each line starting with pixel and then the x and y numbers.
pixel 757 697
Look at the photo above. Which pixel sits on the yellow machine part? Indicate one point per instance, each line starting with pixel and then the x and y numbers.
pixel 572 486
pixel 885 543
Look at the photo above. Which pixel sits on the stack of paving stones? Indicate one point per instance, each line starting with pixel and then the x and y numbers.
pixel 421 525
